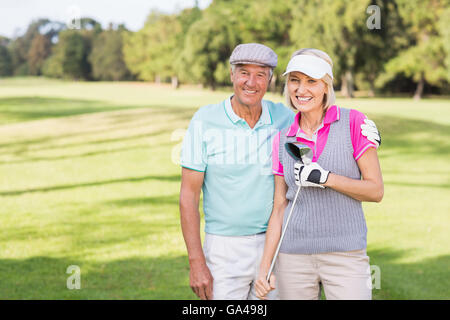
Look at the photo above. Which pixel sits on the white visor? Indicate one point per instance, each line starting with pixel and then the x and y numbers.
pixel 312 66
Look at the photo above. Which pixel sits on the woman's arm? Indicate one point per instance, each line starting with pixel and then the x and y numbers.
pixel 370 188
pixel 273 235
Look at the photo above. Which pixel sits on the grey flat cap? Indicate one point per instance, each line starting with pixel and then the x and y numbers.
pixel 254 53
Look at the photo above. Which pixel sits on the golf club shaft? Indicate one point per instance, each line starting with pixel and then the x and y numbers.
pixel 282 235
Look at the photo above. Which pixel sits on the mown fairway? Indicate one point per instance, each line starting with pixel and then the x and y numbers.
pixel 87 179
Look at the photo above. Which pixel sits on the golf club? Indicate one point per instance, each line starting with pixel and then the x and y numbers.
pixel 301 153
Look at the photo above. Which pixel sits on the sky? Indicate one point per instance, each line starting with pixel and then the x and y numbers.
pixel 16 15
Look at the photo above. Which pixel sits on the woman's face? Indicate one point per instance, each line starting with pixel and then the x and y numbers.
pixel 306 93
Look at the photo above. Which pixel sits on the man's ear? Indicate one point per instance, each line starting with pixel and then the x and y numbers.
pixel 231 75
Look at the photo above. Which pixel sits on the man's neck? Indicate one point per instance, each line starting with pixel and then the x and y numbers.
pixel 250 114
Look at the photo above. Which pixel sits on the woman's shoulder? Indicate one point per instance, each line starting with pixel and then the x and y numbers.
pixel 354 114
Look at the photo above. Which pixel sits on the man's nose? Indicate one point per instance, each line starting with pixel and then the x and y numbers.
pixel 251 81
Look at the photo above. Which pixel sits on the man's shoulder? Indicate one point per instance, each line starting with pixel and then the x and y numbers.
pixel 279 112
pixel 205 112
pixel 278 107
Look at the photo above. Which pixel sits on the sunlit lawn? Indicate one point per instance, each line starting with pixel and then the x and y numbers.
pixel 87 179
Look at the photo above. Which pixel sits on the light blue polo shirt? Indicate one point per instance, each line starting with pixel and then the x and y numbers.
pixel 238 184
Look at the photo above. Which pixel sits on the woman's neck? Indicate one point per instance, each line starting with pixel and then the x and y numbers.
pixel 310 121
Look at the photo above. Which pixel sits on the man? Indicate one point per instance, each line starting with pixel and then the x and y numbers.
pixel 227 154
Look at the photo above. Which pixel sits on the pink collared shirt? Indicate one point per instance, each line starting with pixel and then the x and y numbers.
pixel 320 136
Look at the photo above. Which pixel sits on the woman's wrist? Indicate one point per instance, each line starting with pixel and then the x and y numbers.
pixel 330 180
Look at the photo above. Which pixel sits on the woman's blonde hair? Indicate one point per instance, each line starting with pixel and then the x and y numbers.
pixel 329 97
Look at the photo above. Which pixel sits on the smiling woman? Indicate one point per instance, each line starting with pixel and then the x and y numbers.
pixel 328 228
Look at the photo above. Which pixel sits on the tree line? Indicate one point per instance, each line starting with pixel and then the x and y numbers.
pixel 408 51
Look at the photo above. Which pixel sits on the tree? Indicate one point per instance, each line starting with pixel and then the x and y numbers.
pixel 70 55
pixel 424 59
pixel 5 62
pixel 20 46
pixel 75 64
pixel 152 52
pixel 340 29
pixel 209 43
pixel 377 46
pixel 259 24
pixel 106 57
pixel 39 50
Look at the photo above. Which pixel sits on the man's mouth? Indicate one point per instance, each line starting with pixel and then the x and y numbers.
pixel 249 91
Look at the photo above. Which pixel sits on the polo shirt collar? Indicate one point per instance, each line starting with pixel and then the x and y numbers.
pixel 265 118
pixel 332 114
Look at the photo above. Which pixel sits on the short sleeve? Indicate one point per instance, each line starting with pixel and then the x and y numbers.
pixel 277 167
pixel 192 149
pixel 360 143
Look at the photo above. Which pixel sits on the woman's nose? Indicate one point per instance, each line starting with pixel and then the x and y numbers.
pixel 301 88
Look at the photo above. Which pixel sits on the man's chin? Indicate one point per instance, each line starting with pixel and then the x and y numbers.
pixel 253 101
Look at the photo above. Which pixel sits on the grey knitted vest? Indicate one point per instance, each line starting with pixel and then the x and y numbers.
pixel 324 220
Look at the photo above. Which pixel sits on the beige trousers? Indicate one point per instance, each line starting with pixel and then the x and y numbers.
pixel 344 276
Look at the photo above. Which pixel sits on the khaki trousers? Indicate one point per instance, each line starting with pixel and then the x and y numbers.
pixel 344 276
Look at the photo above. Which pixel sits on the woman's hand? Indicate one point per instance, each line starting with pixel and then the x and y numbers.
pixel 263 287
pixel 310 175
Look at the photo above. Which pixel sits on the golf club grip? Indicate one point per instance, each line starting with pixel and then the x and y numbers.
pixel 282 236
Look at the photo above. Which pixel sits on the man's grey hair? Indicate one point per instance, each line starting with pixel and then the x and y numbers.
pixel 233 69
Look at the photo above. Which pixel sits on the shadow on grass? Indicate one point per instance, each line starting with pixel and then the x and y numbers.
pixel 18 109
pixel 417 185
pixel 426 279
pixel 164 277
pixel 74 156
pixel 126 122
pixel 413 137
pixel 144 201
pixel 173 178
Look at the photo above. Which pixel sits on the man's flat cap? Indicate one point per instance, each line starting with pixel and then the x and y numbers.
pixel 254 53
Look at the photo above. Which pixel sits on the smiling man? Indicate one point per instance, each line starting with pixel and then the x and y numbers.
pixel 227 154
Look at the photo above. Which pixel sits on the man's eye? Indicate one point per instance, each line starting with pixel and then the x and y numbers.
pixel 311 80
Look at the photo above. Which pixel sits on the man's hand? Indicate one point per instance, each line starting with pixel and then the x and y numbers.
pixel 312 175
pixel 369 130
pixel 201 280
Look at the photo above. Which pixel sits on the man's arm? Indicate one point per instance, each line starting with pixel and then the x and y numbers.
pixel 200 278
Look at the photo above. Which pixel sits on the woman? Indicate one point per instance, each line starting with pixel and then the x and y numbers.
pixel 325 241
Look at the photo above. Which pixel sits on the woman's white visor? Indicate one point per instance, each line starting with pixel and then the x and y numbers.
pixel 312 66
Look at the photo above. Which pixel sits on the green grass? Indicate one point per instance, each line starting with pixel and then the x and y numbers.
pixel 87 179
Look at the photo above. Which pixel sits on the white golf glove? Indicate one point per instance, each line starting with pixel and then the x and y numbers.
pixel 369 130
pixel 297 168
pixel 311 175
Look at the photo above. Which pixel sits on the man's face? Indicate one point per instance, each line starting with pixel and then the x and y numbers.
pixel 250 83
